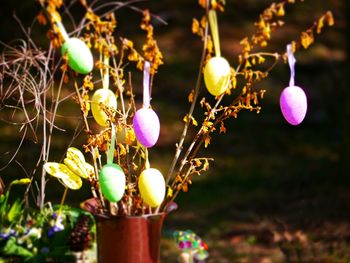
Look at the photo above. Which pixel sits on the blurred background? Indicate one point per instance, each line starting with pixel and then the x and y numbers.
pixel 275 192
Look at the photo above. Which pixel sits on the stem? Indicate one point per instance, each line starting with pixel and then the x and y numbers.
pixel 61 204
pixel 196 93
pixel 92 150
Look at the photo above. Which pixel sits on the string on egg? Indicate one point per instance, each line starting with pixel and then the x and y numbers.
pixel 146 122
pixel 146 85
pixel 217 70
pixel 293 101
pixel 213 21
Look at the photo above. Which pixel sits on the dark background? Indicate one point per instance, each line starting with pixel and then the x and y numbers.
pixel 271 184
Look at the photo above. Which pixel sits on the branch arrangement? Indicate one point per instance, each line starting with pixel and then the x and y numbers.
pixel 93 63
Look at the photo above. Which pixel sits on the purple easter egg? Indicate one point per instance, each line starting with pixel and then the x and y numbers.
pixel 146 126
pixel 293 103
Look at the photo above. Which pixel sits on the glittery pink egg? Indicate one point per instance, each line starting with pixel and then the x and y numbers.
pixel 146 126
pixel 293 103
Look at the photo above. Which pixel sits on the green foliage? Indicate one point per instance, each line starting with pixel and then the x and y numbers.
pixel 37 235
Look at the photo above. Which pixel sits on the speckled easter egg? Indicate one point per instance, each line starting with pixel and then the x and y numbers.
pixel 152 187
pixel 146 126
pixel 217 75
pixel 293 103
pixel 112 182
pixel 103 98
pixel 79 55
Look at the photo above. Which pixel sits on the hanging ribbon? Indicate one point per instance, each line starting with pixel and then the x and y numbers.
pixel 105 77
pixel 110 153
pixel 146 86
pixel 213 21
pixel 291 62
pixel 60 26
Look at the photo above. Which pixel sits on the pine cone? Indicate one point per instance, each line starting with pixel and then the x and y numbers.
pixel 80 238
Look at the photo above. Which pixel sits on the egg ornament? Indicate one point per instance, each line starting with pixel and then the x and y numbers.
pixel 79 55
pixel 293 104
pixel 103 98
pixel 217 75
pixel 112 182
pixel 152 187
pixel 146 126
pixel 146 123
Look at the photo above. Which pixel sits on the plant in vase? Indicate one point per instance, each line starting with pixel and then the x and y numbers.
pixel 130 198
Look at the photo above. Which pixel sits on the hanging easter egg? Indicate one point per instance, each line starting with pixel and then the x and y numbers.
pixel 152 187
pixel 146 126
pixel 103 98
pixel 79 55
pixel 217 75
pixel 293 103
pixel 112 182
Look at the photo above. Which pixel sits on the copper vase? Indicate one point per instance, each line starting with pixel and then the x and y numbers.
pixel 129 239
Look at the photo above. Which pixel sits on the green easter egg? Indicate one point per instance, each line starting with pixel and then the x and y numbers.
pixel 217 75
pixel 112 182
pixel 106 98
pixel 79 55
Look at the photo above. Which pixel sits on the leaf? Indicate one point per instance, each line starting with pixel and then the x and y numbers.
pixel 21 181
pixel 329 18
pixel 195 26
pixel 207 141
pixel 185 119
pixel 222 128
pixel 130 136
pixel 280 9
pixel 194 122
pixel 15 211
pixel 306 39
pixel 170 192
pixel 12 249
pixel 320 24
pixel 41 18
pixel 191 96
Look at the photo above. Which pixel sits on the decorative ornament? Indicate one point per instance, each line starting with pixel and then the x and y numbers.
pixel 293 101
pixel 191 246
pixel 73 169
pixel 152 187
pixel 146 122
pixel 112 177
pixel 80 57
pixel 217 70
pixel 103 99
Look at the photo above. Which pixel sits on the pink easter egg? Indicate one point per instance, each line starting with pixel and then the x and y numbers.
pixel 146 126
pixel 293 103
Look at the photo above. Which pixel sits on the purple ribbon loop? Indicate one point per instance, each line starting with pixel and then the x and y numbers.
pixel 146 86
pixel 291 61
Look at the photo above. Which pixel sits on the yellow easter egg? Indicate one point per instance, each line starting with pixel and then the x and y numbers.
pixel 103 98
pixel 217 75
pixel 152 187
